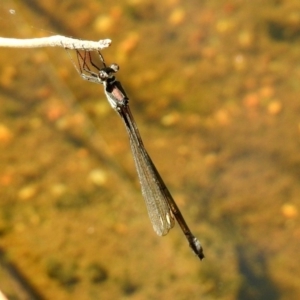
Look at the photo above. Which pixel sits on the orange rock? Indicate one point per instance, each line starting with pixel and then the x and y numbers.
pixel 289 210
pixel 5 134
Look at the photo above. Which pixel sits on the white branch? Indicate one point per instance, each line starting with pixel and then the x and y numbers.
pixel 2 297
pixel 54 41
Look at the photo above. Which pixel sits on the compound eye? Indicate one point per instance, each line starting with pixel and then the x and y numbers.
pixel 115 67
pixel 103 75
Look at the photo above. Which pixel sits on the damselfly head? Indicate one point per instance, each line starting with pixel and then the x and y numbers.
pixel 103 74
pixel 115 67
pixel 107 72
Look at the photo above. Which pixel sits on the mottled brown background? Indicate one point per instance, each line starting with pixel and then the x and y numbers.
pixel 214 87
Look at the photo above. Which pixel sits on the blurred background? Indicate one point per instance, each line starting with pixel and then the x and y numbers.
pixel 214 87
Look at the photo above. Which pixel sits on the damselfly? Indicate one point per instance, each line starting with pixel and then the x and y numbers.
pixel 161 206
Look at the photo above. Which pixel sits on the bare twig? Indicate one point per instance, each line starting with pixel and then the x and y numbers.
pixel 2 297
pixel 55 41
